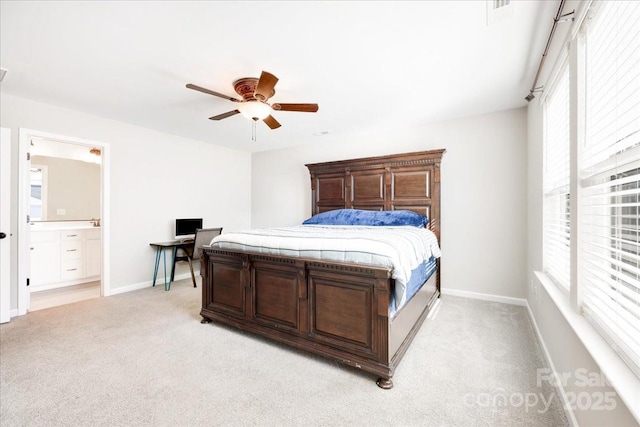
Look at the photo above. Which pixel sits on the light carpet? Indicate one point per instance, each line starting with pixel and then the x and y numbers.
pixel 143 358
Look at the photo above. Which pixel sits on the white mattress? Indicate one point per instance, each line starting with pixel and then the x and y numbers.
pixel 400 248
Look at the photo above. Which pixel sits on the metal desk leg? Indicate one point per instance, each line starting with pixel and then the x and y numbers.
pixel 155 270
pixel 164 256
pixel 173 266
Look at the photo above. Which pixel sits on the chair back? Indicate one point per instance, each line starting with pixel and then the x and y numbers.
pixel 204 237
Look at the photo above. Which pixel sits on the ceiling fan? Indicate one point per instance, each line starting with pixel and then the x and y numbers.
pixel 255 93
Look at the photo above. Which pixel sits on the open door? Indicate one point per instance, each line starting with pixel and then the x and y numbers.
pixel 5 225
pixel 26 137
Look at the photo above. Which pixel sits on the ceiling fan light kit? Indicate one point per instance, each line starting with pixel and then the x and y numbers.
pixel 254 110
pixel 255 93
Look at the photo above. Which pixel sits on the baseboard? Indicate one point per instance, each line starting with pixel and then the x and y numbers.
pixel 148 284
pixel 484 297
pixel 561 392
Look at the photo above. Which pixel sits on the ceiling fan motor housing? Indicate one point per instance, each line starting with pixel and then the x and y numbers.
pixel 246 87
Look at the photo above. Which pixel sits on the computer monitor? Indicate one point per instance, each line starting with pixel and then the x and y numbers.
pixel 186 227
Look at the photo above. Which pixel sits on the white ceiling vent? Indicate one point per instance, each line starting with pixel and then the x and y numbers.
pixel 498 11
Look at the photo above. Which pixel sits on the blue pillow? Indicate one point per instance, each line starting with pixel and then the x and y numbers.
pixel 362 217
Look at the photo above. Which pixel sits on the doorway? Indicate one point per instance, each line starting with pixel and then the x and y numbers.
pixel 64 240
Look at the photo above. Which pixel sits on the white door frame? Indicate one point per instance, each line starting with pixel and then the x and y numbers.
pixel 23 201
pixel 5 225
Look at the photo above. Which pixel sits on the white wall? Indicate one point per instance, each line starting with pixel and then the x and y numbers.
pixel 566 350
pixel 155 178
pixel 483 192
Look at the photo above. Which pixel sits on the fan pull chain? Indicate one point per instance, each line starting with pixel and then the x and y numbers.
pixel 253 131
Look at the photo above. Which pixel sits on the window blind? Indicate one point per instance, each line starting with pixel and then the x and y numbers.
pixel 556 210
pixel 609 226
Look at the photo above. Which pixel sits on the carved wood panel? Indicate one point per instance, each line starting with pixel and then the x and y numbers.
pixel 330 191
pixel 343 314
pixel 368 207
pixel 410 185
pixel 275 296
pixel 367 188
pixel 227 292
pixel 421 209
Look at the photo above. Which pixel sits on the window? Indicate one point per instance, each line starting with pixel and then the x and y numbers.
pixel 556 209
pixel 38 196
pixel 602 226
pixel 610 178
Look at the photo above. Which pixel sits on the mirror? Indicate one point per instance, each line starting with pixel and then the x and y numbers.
pixel 65 181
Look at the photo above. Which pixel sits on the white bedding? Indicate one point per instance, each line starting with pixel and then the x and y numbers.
pixel 400 248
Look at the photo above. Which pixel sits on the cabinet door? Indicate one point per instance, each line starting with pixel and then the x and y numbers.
pixel 45 262
pixel 93 257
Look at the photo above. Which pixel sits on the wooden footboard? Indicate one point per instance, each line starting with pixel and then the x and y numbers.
pixel 336 310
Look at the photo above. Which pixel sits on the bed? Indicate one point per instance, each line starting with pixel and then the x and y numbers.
pixel 330 301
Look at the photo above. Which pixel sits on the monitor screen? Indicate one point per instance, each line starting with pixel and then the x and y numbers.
pixel 186 227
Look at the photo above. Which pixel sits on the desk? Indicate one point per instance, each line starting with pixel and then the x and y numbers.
pixel 174 245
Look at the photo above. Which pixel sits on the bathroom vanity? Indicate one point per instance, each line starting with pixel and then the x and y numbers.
pixel 64 253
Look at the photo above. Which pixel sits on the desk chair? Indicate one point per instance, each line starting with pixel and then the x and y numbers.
pixel 191 253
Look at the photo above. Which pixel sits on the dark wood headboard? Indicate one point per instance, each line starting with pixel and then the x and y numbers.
pixel 409 181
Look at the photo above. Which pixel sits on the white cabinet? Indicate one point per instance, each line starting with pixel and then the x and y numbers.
pixel 64 257
pixel 93 252
pixel 71 253
pixel 45 257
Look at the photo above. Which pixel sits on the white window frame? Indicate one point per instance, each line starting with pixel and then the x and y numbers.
pixel 613 365
pixel 556 186
pixel 626 158
pixel 578 211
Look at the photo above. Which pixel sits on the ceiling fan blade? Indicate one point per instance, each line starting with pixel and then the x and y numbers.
pixel 210 92
pixel 264 88
pixel 224 115
pixel 271 122
pixel 305 108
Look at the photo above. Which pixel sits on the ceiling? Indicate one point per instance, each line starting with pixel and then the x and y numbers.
pixel 369 65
